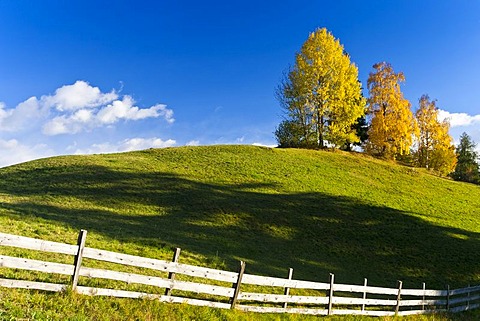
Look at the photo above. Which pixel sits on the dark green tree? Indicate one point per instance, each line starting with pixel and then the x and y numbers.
pixel 361 129
pixel 290 133
pixel 467 169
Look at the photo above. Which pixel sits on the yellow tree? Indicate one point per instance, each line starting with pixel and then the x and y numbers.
pixel 435 148
pixel 392 125
pixel 321 94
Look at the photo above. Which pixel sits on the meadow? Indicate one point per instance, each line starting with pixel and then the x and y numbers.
pixel 318 212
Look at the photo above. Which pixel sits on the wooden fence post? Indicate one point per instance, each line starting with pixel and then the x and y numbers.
pixel 236 286
pixel 448 298
pixel 397 308
pixel 287 289
pixel 468 298
pixel 330 295
pixel 171 275
pixel 364 293
pixel 423 297
pixel 77 263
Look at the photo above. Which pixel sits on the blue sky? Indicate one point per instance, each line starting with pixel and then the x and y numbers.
pixel 100 76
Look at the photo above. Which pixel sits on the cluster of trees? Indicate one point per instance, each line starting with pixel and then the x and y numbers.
pixel 324 106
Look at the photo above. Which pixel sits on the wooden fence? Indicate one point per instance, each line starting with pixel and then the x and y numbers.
pixel 330 299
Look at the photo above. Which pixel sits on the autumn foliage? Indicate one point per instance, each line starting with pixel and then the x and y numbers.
pixel 435 148
pixel 324 106
pixel 392 126
pixel 321 95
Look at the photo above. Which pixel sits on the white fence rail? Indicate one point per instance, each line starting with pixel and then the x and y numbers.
pixel 330 298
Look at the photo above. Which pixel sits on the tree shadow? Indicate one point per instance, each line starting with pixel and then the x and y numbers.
pixel 314 233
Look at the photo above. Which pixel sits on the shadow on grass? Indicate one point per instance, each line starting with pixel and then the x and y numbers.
pixel 314 233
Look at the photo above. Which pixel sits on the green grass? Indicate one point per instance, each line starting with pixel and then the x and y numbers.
pixel 315 211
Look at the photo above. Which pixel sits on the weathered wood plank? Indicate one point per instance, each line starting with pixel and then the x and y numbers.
pixel 157 281
pixel 279 298
pixel 364 295
pixel 372 313
pixel 77 264
pixel 171 275
pixel 20 284
pixel 125 277
pixel 259 309
pixel 36 244
pixel 35 265
pixel 354 301
pixel 159 265
pixel 421 292
pixel 286 291
pixel 115 293
pixel 142 295
pixel 414 312
pixel 237 284
pixel 197 302
pixel 420 302
pixel 465 308
pixel 465 290
pixel 330 294
pixel 464 299
pixel 399 297
pixel 423 296
pixel 362 289
pixel 280 282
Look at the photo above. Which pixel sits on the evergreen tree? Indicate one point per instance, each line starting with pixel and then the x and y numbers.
pixel 361 130
pixel 467 169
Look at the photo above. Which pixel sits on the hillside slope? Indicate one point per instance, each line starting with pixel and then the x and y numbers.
pixel 315 211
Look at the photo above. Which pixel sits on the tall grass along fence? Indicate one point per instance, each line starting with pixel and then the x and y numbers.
pixel 170 281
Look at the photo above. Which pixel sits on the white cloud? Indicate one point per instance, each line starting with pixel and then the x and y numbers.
pixel 81 110
pixel 460 123
pixel 193 143
pixel 458 119
pixel 27 114
pixel 87 119
pixel 79 95
pixel 14 152
pixel 126 145
pixel 125 110
pixel 76 108
pixel 143 143
pixel 264 145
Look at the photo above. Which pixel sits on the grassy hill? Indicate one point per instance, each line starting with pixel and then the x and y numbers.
pixel 315 211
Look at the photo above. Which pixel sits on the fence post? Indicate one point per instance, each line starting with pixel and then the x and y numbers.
pixel 448 297
pixel 364 293
pixel 423 297
pixel 287 289
pixel 397 308
pixel 77 263
pixel 468 298
pixel 330 295
pixel 171 275
pixel 236 286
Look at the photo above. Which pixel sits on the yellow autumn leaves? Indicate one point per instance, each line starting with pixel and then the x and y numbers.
pixel 321 94
pixel 324 106
pixel 394 130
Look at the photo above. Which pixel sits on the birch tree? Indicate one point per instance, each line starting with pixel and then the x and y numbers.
pixel 392 125
pixel 435 148
pixel 321 94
